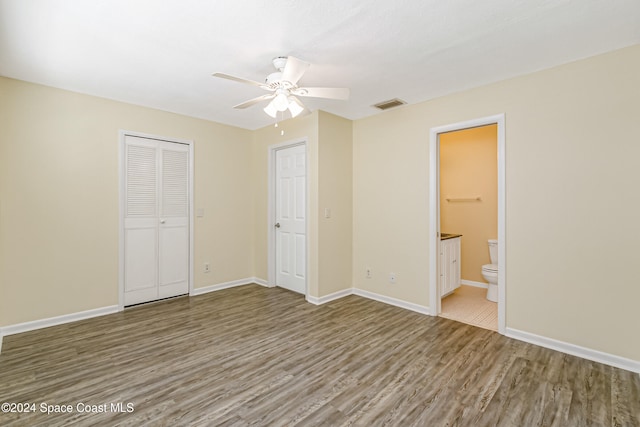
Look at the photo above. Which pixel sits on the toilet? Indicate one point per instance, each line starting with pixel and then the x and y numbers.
pixel 490 271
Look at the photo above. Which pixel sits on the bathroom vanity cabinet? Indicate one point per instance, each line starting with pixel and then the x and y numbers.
pixel 449 263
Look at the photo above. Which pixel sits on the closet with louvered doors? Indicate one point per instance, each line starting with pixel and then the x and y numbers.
pixel 156 219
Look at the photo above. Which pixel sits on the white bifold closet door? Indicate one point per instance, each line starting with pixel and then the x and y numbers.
pixel 156 219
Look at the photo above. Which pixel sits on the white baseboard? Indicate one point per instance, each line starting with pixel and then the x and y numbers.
pixel 58 320
pixel 575 350
pixel 262 282
pixel 331 297
pixel 392 301
pixel 474 284
pixel 369 295
pixel 227 285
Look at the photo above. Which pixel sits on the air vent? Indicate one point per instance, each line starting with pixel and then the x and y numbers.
pixel 392 103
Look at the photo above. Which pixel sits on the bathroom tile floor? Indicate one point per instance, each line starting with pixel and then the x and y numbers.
pixel 469 305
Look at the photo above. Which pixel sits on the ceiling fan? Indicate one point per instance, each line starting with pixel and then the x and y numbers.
pixel 283 85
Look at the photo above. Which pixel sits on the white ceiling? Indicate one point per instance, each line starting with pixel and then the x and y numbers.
pixel 161 54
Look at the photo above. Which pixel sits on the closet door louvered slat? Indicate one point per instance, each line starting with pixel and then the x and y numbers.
pixel 141 182
pixel 175 182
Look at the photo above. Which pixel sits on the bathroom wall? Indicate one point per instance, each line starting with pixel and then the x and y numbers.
pixel 469 168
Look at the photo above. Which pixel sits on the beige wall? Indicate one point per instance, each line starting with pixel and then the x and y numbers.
pixel 572 151
pixel 390 204
pixel 59 198
pixel 469 168
pixel 335 193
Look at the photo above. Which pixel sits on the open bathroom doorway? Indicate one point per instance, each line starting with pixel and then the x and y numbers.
pixel 463 205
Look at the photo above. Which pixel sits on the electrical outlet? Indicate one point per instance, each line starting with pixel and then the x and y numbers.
pixel 392 278
pixel 207 267
pixel 368 273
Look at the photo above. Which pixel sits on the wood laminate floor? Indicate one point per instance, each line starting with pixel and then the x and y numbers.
pixel 265 357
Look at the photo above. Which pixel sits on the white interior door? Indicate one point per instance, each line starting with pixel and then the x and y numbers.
pixel 156 219
pixel 290 216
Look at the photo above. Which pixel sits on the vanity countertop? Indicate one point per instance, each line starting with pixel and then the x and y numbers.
pixel 446 236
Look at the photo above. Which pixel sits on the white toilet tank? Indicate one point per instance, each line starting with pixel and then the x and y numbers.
pixel 493 251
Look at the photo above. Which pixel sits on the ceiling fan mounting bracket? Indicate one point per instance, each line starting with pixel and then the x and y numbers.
pixel 279 62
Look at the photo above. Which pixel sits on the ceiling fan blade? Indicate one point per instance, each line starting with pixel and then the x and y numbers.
pixel 323 92
pixel 294 69
pixel 241 80
pixel 254 101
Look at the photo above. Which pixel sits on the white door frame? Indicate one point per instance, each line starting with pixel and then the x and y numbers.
pixel 434 212
pixel 271 211
pixel 121 173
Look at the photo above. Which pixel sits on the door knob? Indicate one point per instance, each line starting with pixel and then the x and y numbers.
pixel 277 225
pixel 162 221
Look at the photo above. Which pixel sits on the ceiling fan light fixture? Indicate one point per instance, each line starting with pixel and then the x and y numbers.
pixel 295 106
pixel 271 110
pixel 280 102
